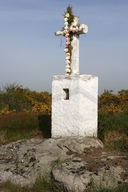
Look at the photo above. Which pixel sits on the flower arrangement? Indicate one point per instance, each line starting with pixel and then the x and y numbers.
pixel 68 20
pixel 70 28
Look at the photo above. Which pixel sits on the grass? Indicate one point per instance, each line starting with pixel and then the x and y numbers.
pixel 41 185
pixel 122 188
pixel 24 125
pixel 46 185
pixel 113 130
pixel 110 122
pixel 17 126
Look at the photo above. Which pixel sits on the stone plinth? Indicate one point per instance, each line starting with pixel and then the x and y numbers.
pixel 74 105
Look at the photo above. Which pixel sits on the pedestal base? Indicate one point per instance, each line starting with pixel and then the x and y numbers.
pixel 74 105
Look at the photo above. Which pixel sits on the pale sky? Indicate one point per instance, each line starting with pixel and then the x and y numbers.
pixel 30 53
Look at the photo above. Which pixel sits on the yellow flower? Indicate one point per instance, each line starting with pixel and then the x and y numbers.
pixel 67 15
pixel 73 29
pixel 68 70
pixel 67 34
pixel 67 54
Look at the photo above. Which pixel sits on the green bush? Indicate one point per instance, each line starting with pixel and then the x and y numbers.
pixel 12 97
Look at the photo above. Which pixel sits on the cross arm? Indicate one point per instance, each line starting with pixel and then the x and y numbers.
pixel 82 29
pixel 59 33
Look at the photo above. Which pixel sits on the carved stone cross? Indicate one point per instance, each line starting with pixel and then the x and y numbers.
pixel 72 60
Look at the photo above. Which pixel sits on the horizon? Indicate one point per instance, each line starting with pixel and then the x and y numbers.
pixel 31 54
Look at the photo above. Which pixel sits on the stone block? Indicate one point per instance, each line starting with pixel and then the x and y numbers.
pixel 74 105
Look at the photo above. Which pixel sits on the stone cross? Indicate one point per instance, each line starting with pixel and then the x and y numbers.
pixel 72 65
pixel 74 97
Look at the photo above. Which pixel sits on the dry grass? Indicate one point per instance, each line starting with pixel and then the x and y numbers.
pixel 113 136
pixel 116 140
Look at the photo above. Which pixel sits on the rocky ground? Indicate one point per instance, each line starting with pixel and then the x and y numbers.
pixel 73 163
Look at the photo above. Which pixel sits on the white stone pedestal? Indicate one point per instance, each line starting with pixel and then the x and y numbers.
pixel 74 105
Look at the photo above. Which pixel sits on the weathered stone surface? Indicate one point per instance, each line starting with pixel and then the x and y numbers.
pixel 75 176
pixel 22 161
pixel 96 167
pixel 74 162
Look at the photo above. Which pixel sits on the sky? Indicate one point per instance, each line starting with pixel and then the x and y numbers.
pixel 30 53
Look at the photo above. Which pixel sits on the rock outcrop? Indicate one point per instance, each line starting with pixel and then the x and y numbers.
pixel 75 163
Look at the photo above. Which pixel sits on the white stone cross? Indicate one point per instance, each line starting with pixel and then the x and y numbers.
pixel 72 61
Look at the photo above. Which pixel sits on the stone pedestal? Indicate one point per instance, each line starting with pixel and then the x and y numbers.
pixel 74 105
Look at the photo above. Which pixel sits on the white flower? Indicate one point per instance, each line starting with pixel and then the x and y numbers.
pixel 58 33
pixel 66 23
pixel 66 50
pixel 66 27
pixel 71 28
pixel 68 57
pixel 65 19
pixel 80 28
pixel 67 66
pixel 67 62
